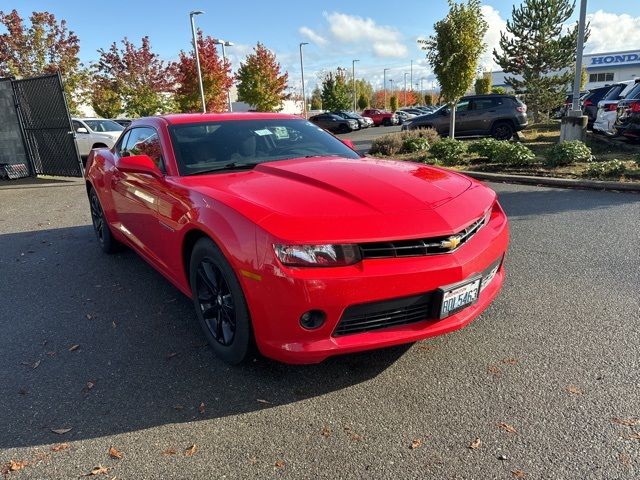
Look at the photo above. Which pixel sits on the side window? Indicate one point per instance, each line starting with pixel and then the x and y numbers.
pixel 122 142
pixel 462 106
pixel 144 141
pixel 77 125
pixel 483 103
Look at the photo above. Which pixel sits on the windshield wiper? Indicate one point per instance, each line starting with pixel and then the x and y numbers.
pixel 234 165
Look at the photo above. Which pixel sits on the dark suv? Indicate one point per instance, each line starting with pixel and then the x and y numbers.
pixel 628 114
pixel 499 116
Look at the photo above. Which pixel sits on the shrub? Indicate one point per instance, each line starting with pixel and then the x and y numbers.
pixel 487 148
pixel 389 144
pixel 568 152
pixel 449 151
pixel 429 133
pixel 416 144
pixel 637 160
pixel 612 168
pixel 514 153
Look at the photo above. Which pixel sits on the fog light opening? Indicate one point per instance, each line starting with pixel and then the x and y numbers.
pixel 312 319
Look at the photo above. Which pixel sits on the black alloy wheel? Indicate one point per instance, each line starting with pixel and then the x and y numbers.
pixel 216 302
pixel 108 244
pixel 220 303
pixel 502 131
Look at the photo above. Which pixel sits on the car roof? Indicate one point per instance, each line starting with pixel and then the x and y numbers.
pixel 175 119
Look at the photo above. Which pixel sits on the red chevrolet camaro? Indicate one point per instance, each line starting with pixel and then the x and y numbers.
pixel 288 240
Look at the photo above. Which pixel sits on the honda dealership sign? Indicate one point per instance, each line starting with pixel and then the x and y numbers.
pixel 619 59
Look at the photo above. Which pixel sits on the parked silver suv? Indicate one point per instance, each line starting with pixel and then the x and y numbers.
pixel 499 116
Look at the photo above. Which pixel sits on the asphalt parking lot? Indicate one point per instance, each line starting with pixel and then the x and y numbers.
pixel 545 384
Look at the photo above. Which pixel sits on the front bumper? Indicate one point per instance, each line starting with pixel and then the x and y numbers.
pixel 277 301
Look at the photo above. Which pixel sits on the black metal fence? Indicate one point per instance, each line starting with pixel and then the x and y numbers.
pixel 45 125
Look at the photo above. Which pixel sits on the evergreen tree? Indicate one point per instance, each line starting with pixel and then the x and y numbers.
pixel 363 101
pixel 316 99
pixel 260 82
pixel 483 84
pixel 393 103
pixel 335 92
pixel 537 48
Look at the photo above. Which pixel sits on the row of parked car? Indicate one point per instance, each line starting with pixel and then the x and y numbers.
pixel 342 121
pixel 613 109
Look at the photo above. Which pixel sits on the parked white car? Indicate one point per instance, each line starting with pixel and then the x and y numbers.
pixel 93 133
pixel 608 106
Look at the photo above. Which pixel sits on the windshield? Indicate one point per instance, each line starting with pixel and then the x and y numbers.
pixel 203 147
pixel 104 125
pixel 634 92
pixel 614 93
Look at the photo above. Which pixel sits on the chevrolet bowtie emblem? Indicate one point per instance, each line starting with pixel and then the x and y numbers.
pixel 451 242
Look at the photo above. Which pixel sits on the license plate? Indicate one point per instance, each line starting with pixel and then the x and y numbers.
pixel 457 297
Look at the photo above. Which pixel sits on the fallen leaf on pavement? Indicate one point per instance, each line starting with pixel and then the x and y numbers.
pixel 73 348
pixel 266 402
pixel 495 371
pixel 171 355
pixel 114 324
pixel 415 443
pixel 627 422
pixel 89 316
pixel 99 470
pixel 326 432
pixel 475 444
pixel 115 453
pixel 51 354
pixel 572 389
pixel 506 427
pixel 190 450
pixel 59 447
pixel 632 436
pixel 16 465
pixel 201 408
pixel 509 361
pixel 518 473
pixel 36 365
pixel 61 431
pixel 624 459
pixel 169 451
pixel 279 464
pixel 89 386
pixel 179 407
pixel 356 437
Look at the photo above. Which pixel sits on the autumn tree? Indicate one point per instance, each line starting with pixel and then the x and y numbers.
pixel 483 84
pixel 538 51
pixel 140 79
pixel 216 78
pixel 105 99
pixel 260 81
pixel 453 51
pixel 44 46
pixel 335 92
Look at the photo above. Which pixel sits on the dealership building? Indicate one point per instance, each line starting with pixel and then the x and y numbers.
pixel 602 68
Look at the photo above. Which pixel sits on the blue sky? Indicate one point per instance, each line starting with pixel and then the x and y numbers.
pixel 379 33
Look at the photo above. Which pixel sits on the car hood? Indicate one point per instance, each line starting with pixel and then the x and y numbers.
pixel 333 197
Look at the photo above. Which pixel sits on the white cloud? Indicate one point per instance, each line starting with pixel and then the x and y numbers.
pixel 492 38
pixel 312 36
pixel 611 32
pixel 363 33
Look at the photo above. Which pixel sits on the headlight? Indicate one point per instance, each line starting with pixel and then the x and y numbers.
pixel 317 255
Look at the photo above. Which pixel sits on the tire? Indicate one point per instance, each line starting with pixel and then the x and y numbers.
pixel 386 122
pixel 220 304
pixel 108 244
pixel 502 131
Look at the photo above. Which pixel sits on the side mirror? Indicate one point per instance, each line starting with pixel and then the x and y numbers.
pixel 138 164
pixel 82 130
pixel 349 143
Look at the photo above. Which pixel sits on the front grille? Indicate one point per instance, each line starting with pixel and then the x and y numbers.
pixel 388 313
pixel 420 246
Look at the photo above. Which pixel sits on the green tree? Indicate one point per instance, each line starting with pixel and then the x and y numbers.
pixel 539 52
pixel 393 103
pixel 584 78
pixel 454 50
pixel 335 92
pixel 260 81
pixel 363 89
pixel 363 101
pixel 105 99
pixel 499 90
pixel 45 46
pixel 483 84
pixel 428 100
pixel 316 99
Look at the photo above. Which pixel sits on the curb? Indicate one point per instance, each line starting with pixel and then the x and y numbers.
pixel 555 182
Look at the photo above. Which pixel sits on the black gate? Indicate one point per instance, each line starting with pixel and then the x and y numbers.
pixel 44 118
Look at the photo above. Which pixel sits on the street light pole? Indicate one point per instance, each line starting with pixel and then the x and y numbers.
pixel 225 43
pixel 411 78
pixel 391 82
pixel 405 88
pixel 353 81
pixel 580 47
pixel 195 49
pixel 304 99
pixel 384 86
